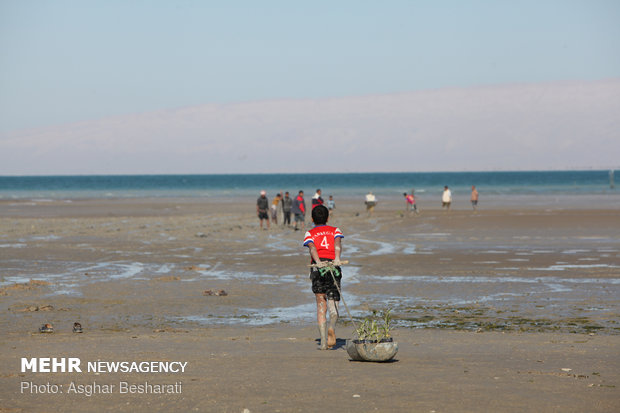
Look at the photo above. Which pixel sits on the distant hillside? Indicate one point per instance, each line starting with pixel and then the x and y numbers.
pixel 510 127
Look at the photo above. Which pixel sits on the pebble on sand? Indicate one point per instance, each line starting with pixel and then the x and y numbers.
pixel 219 293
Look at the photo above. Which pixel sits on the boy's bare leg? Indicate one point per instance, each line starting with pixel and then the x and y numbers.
pixel 321 318
pixel 332 307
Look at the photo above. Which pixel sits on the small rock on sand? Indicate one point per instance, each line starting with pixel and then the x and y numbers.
pixel 32 308
pixel 168 278
pixel 195 268
pixel 219 293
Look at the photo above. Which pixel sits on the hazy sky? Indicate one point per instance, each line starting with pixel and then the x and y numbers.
pixel 68 61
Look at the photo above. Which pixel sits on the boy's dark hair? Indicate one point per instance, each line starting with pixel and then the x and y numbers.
pixel 320 213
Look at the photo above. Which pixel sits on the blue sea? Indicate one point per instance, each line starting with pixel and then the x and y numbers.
pixel 388 185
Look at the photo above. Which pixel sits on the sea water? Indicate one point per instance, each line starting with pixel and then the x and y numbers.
pixel 385 185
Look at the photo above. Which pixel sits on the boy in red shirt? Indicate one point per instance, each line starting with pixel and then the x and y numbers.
pixel 411 206
pixel 324 244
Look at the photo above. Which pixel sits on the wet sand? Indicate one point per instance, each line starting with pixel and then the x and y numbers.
pixel 489 306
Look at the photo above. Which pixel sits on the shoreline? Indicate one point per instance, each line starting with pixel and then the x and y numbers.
pixel 394 203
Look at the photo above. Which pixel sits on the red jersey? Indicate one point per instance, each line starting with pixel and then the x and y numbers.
pixel 301 204
pixel 323 237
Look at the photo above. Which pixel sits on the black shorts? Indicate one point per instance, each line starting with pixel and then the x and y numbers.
pixel 324 284
pixel 263 215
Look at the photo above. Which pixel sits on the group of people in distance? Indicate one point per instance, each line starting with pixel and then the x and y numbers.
pixel 297 206
pixel 446 198
pixel 288 206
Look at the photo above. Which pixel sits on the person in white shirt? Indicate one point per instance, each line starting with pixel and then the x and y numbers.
pixel 446 198
pixel 370 202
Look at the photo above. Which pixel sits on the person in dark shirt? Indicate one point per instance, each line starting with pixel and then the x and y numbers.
pixel 287 206
pixel 262 208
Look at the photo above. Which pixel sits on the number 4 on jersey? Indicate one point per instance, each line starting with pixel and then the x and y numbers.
pixel 324 243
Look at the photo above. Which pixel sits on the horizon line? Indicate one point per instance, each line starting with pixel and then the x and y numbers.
pixel 579 169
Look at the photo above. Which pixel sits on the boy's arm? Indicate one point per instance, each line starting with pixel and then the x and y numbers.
pixel 338 249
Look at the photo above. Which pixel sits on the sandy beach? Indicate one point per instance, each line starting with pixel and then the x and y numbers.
pixel 502 309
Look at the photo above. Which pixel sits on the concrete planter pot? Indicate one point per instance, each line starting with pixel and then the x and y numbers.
pixel 372 350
